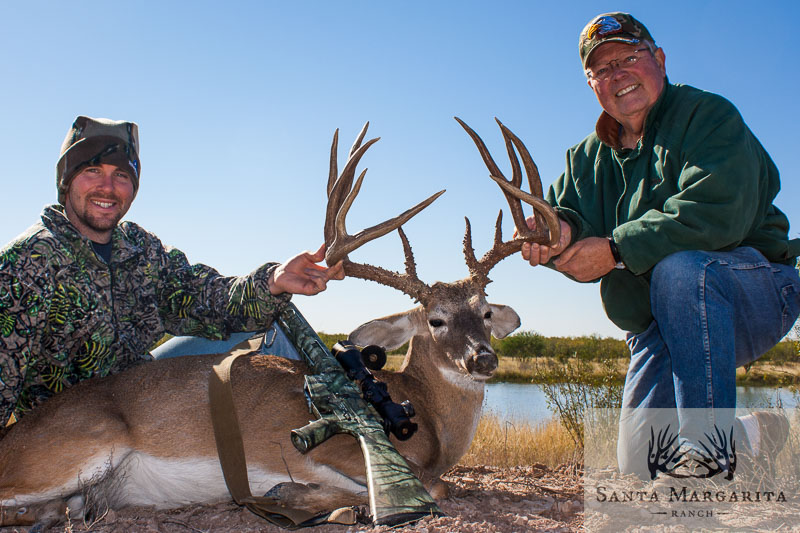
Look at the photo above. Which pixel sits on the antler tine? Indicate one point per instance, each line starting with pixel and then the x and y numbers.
pixel 411 265
pixel 516 171
pixel 479 269
pixel 358 140
pixel 333 171
pixel 541 207
pixel 341 215
pixel 407 283
pixel 341 186
pixel 516 180
pixel 531 170
pixel 341 195
pixel 500 250
pixel 469 250
pixel 516 177
pixel 542 211
pixel 514 193
pixel 351 242
pixel 487 157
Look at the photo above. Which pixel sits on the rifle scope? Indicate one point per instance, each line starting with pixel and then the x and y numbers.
pixel 396 416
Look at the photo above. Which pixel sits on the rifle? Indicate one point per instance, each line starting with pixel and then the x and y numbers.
pixel 396 496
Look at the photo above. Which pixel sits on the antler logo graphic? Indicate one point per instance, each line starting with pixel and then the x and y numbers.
pixel 664 455
pixel 662 452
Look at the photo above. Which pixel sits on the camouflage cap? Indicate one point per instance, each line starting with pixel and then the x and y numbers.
pixel 608 27
pixel 91 141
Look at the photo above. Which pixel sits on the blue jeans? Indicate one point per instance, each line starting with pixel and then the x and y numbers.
pixel 713 312
pixel 274 342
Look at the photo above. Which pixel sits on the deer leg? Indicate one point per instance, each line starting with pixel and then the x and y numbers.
pixel 39 516
pixel 438 488
pixel 314 498
pixel 38 480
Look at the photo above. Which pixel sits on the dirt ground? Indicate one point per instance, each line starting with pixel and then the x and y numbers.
pixel 482 499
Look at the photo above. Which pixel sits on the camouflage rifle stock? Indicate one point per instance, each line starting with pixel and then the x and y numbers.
pixel 396 496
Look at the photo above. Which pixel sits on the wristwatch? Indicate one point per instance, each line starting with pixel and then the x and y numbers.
pixel 615 254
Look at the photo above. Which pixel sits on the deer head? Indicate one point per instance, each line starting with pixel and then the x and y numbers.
pixel 455 317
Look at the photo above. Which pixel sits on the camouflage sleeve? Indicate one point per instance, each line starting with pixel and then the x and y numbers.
pixel 21 299
pixel 197 300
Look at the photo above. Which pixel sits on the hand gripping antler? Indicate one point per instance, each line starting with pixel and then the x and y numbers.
pixel 341 194
pixel 548 227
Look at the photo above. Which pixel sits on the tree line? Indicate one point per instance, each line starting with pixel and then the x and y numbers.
pixel 530 344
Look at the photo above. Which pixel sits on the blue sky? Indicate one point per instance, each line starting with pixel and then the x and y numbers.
pixel 237 102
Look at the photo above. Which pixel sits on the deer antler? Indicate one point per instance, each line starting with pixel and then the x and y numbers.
pixel 548 227
pixel 341 194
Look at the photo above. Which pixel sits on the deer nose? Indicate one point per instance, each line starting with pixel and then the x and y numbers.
pixel 483 362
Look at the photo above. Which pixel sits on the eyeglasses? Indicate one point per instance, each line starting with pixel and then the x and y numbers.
pixel 604 73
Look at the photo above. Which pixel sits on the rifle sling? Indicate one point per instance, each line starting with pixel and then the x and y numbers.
pixel 230 449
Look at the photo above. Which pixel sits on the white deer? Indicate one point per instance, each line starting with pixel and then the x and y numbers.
pixel 144 437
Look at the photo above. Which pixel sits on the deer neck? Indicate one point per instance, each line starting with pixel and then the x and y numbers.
pixel 448 405
pixel 427 364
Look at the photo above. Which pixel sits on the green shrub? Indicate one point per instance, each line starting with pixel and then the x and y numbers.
pixel 331 338
pixel 787 351
pixel 523 345
pixel 527 344
pixel 573 390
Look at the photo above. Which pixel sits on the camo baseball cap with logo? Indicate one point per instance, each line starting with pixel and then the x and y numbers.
pixel 92 141
pixel 611 27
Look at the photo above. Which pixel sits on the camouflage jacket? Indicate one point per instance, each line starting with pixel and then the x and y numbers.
pixel 66 315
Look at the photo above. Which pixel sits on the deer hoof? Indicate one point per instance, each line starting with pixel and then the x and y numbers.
pixel 439 490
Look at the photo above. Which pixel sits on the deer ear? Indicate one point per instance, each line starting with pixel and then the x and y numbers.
pixel 504 320
pixel 390 332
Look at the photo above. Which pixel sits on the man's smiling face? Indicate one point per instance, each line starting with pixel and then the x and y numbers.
pixel 631 90
pixel 97 199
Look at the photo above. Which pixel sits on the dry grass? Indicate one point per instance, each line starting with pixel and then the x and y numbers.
pixel 501 443
pixel 529 370
pixel 788 463
pixel 393 362
pixel 769 374
pixel 537 369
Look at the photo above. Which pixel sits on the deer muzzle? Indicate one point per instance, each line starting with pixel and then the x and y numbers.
pixel 482 364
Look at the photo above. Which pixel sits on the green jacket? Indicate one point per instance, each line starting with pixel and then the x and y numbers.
pixel 66 315
pixel 698 180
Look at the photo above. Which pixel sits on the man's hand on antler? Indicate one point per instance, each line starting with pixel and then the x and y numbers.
pixel 587 259
pixel 539 254
pixel 302 275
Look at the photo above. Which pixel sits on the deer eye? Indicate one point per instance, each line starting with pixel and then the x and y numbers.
pixel 436 323
pixel 488 315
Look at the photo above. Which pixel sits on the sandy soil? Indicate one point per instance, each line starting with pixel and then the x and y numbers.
pixel 482 499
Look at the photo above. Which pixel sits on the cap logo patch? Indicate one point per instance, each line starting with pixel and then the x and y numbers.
pixel 604 26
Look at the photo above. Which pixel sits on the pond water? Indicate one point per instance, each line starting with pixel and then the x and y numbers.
pixel 517 402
